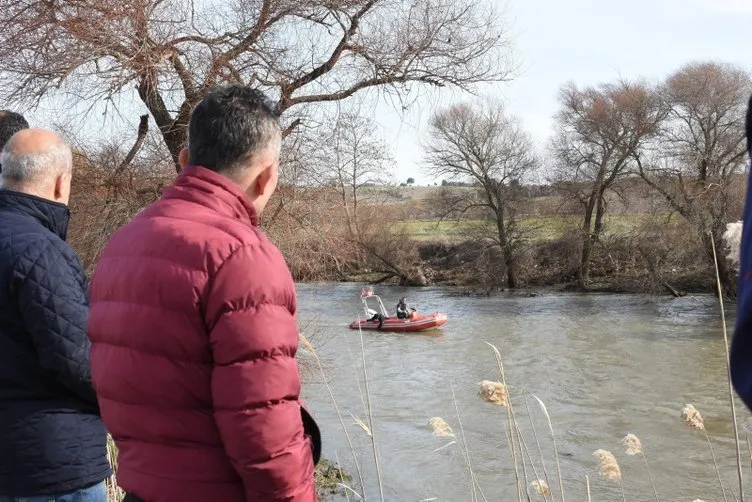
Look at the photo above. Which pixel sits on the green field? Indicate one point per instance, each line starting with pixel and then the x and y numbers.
pixel 537 229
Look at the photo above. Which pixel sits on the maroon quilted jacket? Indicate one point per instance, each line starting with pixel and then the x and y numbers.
pixel 194 337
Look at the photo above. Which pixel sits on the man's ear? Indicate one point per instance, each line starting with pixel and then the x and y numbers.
pixel 263 181
pixel 183 158
pixel 62 188
pixel 59 187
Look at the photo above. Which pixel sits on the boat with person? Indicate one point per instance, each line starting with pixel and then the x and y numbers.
pixel 377 319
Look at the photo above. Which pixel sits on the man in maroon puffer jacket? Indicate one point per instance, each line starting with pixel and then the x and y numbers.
pixel 193 326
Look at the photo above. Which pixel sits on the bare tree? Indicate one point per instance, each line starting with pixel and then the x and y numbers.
pixel 301 51
pixel 485 147
pixel 695 163
pixel 349 156
pixel 599 131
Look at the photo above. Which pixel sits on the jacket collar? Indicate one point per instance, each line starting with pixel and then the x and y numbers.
pixel 215 191
pixel 51 215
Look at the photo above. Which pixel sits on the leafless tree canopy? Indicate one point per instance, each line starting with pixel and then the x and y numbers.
pixel 482 145
pixel 349 156
pixel 695 162
pixel 301 51
pixel 599 131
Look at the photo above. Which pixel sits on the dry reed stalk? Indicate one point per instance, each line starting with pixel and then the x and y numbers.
pixel 634 447
pixel 511 423
pixel 370 415
pixel 537 440
pixel 466 451
pixel 524 448
pixel 541 487
pixel 307 344
pixel 734 233
pixel 440 427
pixel 749 447
pixel 553 438
pixel 342 477
pixel 694 420
pixel 494 392
pixel 361 424
pixel 450 443
pixel 587 488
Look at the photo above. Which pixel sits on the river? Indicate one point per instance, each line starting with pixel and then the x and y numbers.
pixel 604 365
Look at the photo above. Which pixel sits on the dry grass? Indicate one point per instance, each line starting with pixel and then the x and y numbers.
pixel 114 493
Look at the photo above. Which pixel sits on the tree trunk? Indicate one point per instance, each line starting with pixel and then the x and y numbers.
pixel 511 265
pixel 592 234
pixel 506 248
pixel 174 131
pixel 583 271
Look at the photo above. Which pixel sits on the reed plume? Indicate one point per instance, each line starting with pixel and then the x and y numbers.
pixel 609 468
pixel 494 392
pixel 440 427
pixel 692 417
pixel 694 420
pixel 633 444
pixel 541 487
pixel 634 447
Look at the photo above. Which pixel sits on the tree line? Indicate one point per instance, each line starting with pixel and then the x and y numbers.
pixel 150 61
pixel 683 138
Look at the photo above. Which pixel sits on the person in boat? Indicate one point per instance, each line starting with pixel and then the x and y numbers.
pixel 403 310
pixel 376 316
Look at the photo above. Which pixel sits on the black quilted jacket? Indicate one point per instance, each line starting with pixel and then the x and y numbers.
pixel 51 437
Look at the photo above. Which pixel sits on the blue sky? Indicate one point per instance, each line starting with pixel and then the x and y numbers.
pixel 587 42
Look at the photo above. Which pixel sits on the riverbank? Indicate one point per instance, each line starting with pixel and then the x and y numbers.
pixel 549 266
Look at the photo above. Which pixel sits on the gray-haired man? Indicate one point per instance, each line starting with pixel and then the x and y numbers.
pixel 52 439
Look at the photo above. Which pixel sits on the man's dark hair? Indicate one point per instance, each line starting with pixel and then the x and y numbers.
pixel 229 125
pixel 10 124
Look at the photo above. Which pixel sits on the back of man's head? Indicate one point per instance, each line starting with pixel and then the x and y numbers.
pixel 231 125
pixel 10 124
pixel 37 162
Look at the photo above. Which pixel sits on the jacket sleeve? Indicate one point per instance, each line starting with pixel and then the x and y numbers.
pixel 54 308
pixel 741 346
pixel 250 311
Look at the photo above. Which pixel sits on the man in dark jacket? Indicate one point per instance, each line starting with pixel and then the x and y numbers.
pixel 52 440
pixel 741 347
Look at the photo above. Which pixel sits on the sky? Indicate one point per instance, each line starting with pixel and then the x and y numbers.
pixel 588 43
pixel 555 42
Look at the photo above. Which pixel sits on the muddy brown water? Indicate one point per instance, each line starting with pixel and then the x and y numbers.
pixel 604 365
